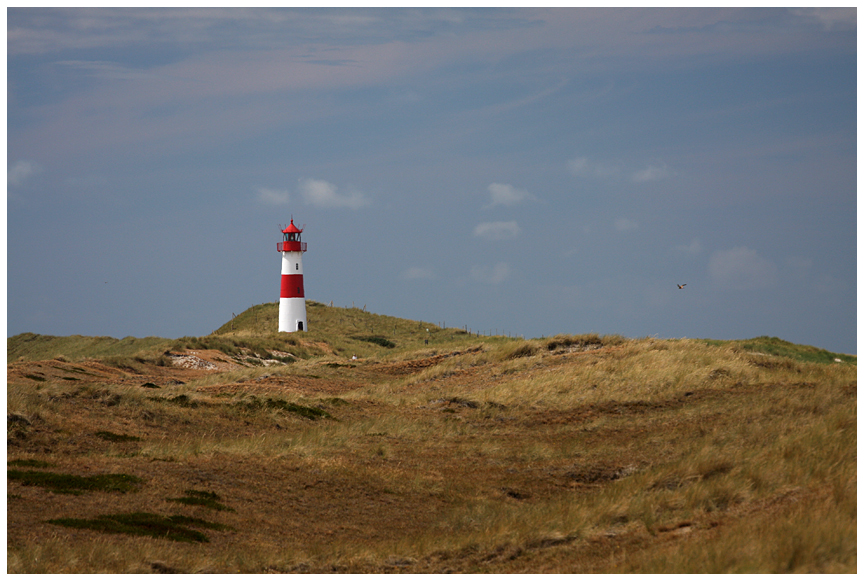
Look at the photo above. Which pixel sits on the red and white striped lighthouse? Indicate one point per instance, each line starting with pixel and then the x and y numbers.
pixel 292 301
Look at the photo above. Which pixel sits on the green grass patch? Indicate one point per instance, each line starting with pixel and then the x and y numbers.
pixel 780 348
pixel 203 498
pixel 173 528
pixel 72 484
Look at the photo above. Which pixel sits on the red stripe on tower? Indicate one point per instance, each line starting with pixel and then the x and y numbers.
pixel 292 286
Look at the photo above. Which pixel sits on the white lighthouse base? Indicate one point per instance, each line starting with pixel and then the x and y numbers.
pixel 292 315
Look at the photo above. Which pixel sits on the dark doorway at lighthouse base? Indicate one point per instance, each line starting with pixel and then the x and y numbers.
pixel 299 325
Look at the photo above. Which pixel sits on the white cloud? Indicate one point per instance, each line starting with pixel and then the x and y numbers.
pixel 417 273
pixel 579 166
pixel 276 197
pixel 692 249
pixel 491 274
pixel 19 171
pixel 827 284
pixel 103 69
pixel 830 18
pixel 625 224
pixel 741 269
pixel 325 195
pixel 497 230
pixel 507 195
pixel 582 167
pixel 652 173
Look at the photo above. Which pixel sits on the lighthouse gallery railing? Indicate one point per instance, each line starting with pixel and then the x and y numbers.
pixel 291 246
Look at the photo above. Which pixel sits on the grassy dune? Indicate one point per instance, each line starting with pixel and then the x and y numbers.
pixel 334 331
pixel 33 347
pixel 569 454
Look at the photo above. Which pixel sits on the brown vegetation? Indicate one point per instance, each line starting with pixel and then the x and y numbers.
pixel 577 454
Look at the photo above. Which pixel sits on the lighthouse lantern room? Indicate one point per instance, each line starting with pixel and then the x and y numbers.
pixel 292 300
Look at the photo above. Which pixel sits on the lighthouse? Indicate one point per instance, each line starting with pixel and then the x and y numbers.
pixel 292 301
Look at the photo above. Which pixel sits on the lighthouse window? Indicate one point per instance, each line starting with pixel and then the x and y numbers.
pixel 297 266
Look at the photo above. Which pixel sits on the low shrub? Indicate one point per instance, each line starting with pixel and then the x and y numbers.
pixel 29 463
pixel 172 528
pixel 377 340
pixel 72 484
pixel 280 404
pixel 202 498
pixel 182 400
pixel 112 437
pixel 521 350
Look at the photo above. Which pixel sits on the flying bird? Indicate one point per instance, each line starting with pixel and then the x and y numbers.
pixel 682 285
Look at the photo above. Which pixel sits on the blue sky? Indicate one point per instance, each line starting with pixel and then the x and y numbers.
pixel 524 171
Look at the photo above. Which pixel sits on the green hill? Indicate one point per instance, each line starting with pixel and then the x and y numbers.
pixel 348 331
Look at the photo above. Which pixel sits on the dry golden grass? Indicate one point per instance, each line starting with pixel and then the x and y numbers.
pixel 565 455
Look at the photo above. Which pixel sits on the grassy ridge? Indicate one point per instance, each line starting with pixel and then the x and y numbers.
pixel 780 348
pixel 33 347
pixel 333 330
pixel 342 330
